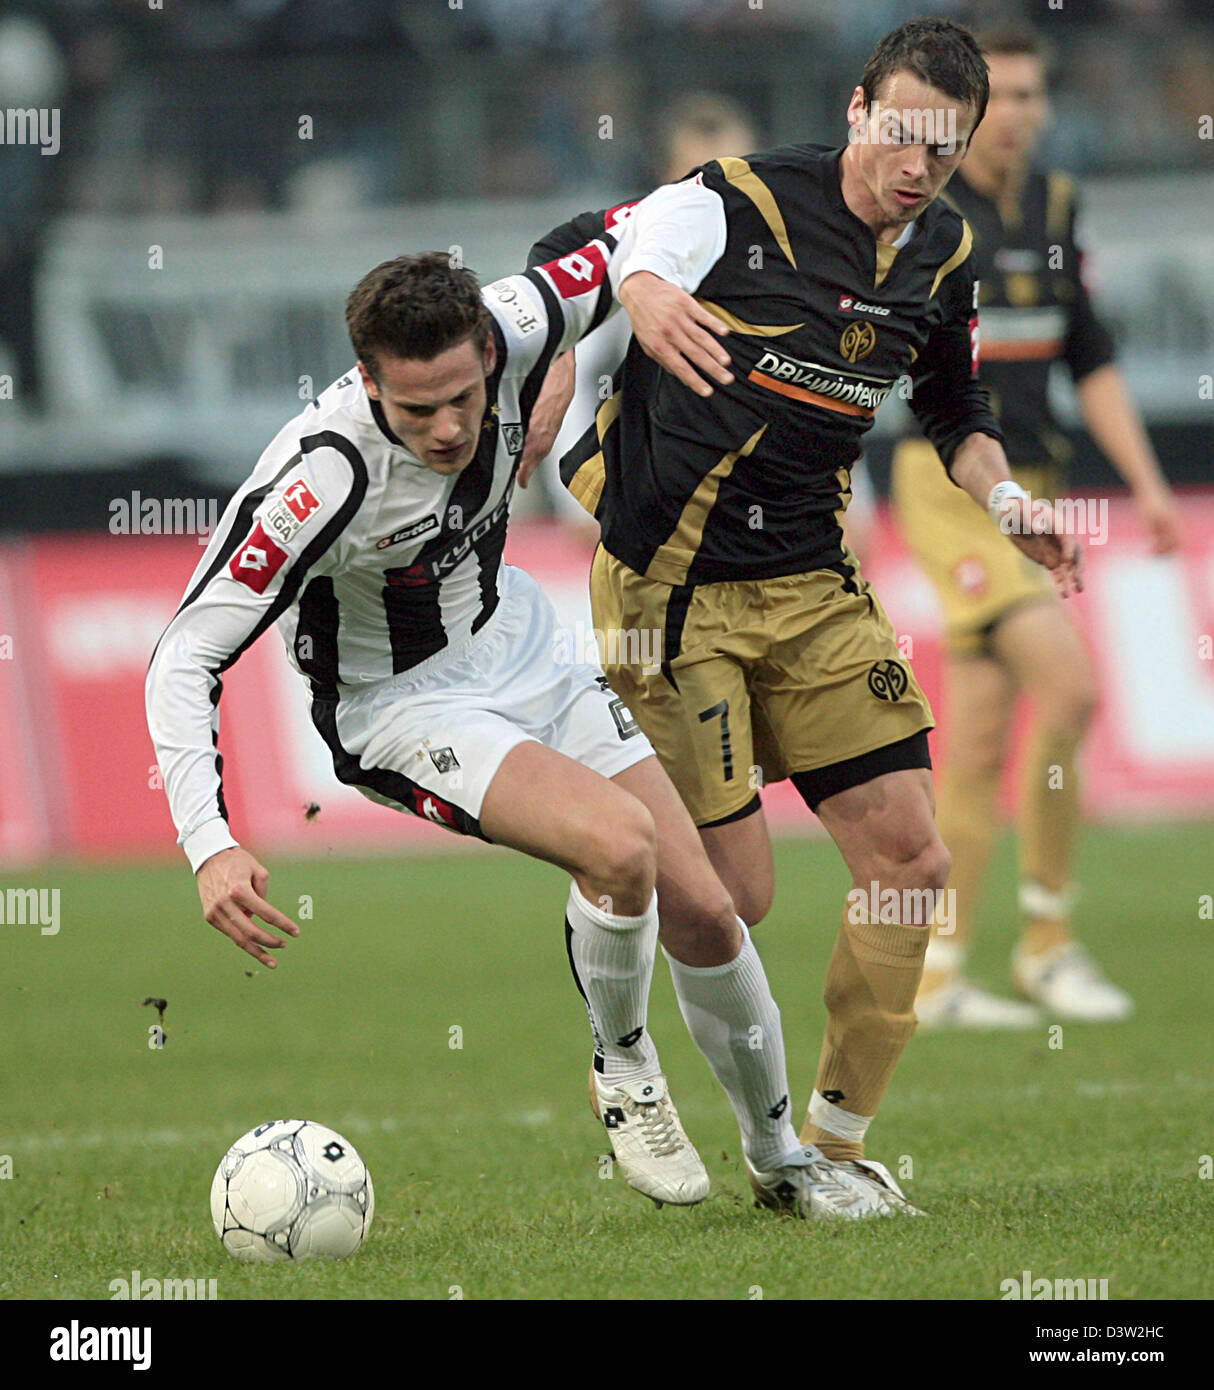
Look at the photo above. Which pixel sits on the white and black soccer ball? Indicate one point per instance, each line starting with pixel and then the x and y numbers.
pixel 290 1189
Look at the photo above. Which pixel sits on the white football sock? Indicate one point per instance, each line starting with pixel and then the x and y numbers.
pixel 612 961
pixel 735 1022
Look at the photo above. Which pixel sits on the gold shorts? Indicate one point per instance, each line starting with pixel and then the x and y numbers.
pixel 976 570
pixel 741 683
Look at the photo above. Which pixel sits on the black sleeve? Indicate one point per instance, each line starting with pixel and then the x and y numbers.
pixel 1089 344
pixel 568 237
pixel 948 399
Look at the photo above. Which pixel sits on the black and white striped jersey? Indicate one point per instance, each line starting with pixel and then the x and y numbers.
pixel 370 562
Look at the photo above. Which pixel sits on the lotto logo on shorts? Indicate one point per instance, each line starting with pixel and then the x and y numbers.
pixel 888 681
pixel 431 807
pixel 257 561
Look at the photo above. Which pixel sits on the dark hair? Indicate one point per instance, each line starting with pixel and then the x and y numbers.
pixel 938 52
pixel 703 114
pixel 415 306
pixel 1017 40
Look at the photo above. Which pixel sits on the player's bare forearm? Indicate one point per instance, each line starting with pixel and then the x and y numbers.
pixel 232 886
pixel 548 415
pixel 1114 423
pixel 676 331
pixel 979 465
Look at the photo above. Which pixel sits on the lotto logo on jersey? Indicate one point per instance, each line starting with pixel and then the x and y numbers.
pixel 848 304
pixel 615 217
pixel 579 271
pixel 407 533
pixel 301 499
pixel 257 561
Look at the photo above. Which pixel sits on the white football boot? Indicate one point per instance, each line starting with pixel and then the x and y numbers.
pixel 1069 985
pixel 882 1185
pixel 648 1140
pixel 960 1004
pixel 816 1187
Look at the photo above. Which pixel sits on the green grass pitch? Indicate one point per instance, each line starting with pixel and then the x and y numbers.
pixel 1079 1161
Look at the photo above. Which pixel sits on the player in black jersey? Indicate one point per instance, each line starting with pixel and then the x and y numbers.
pixel 1005 632
pixel 719 474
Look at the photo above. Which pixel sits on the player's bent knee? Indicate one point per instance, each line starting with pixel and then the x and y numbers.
pixel 700 933
pixel 713 910
pixel 934 864
pixel 750 893
pixel 1074 708
pixel 978 760
pixel 917 858
pixel 621 849
pixel 753 902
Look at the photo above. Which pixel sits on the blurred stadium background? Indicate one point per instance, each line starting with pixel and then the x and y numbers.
pixel 173 278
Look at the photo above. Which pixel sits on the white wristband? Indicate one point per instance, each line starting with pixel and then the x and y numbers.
pixel 1000 494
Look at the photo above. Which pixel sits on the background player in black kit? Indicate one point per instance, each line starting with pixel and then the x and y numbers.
pixel 835 273
pixel 1006 634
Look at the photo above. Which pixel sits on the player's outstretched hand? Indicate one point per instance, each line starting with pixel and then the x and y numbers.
pixel 232 886
pixel 547 415
pixel 1161 516
pixel 1039 537
pixel 677 332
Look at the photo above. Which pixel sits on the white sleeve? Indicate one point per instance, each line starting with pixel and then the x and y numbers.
pixel 678 233
pixel 549 308
pixel 274 534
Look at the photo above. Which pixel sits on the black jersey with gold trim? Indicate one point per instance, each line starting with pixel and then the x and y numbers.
pixel 1034 305
pixel 825 322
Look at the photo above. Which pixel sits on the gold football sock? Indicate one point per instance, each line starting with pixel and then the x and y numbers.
pixel 968 819
pixel 1049 820
pixel 870 997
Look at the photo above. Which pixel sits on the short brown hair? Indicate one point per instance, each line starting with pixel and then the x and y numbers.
pixel 942 54
pixel 706 115
pixel 1016 40
pixel 415 306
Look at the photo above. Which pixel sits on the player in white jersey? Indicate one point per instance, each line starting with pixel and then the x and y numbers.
pixel 371 531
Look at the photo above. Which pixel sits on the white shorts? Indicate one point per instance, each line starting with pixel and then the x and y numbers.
pixel 431 742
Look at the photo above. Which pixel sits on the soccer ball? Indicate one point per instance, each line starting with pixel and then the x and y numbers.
pixel 289 1189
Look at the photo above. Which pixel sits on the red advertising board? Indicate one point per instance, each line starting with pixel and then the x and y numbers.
pixel 79 617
